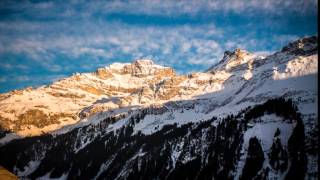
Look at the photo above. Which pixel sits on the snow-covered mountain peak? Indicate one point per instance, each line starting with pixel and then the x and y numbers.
pixel 304 46
pixel 143 83
pixel 236 54
pixel 233 59
pixel 117 66
pixel 144 62
pixel 139 68
pixel 244 60
pixel 130 115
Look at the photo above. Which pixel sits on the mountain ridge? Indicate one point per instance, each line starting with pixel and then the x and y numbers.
pixel 139 83
pixel 131 109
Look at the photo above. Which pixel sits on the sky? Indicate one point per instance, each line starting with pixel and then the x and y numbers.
pixel 43 41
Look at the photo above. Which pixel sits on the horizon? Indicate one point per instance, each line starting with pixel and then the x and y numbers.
pixel 42 41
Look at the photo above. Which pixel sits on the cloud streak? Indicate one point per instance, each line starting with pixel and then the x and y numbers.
pixel 116 39
pixel 52 38
pixel 159 7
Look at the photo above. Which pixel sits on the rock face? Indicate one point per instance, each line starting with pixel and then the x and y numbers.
pixel 140 83
pixel 117 122
pixel 303 46
pixel 103 73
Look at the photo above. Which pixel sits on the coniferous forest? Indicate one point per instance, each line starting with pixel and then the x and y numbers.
pixel 191 151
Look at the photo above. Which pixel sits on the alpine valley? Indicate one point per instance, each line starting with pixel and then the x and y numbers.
pixel 247 117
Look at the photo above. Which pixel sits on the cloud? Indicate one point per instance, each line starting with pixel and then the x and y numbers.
pixel 78 51
pixel 5 66
pixel 283 39
pixel 79 9
pixel 3 79
pixel 22 78
pixel 179 45
pixel 113 40
pixel 194 7
pixel 51 38
pixel 22 81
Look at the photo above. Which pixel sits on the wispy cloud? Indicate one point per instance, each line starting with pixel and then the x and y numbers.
pixel 51 38
pixel 194 7
pixel 115 39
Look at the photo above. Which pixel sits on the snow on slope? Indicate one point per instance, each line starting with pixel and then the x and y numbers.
pixel 122 91
pixel 239 80
pixel 235 92
pixel 264 130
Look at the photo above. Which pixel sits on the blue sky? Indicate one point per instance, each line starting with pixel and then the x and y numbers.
pixel 42 41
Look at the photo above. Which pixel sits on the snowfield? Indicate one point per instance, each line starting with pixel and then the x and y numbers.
pixel 128 120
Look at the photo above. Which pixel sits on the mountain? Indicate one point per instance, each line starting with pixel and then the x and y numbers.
pixel 247 117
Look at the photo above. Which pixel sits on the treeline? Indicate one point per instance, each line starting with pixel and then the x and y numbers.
pixel 196 150
pixel 279 156
pixel 280 106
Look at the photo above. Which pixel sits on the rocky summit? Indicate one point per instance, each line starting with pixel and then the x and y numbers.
pixel 246 117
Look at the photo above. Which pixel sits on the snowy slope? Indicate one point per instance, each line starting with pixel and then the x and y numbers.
pixel 121 107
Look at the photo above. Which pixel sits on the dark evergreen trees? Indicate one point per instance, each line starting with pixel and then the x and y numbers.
pixel 278 156
pixel 254 161
pixel 206 151
pixel 296 147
